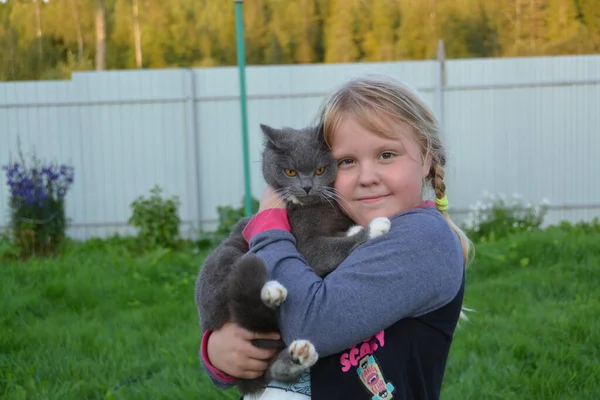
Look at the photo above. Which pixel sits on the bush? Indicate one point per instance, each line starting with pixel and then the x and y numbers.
pixel 37 205
pixel 157 220
pixel 588 227
pixel 8 249
pixel 228 217
pixel 499 216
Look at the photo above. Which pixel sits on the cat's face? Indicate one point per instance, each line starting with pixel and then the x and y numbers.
pixel 298 164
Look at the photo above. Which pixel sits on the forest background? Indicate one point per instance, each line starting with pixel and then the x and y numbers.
pixel 48 39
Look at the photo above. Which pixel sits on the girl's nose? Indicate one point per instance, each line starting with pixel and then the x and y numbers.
pixel 368 175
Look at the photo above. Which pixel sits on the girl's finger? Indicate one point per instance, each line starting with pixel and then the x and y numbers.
pixel 258 353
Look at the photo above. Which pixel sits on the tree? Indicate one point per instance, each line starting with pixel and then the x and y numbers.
pixel 382 30
pixel 137 34
pixel 100 35
pixel 49 40
pixel 340 46
pixel 469 33
pixel 413 40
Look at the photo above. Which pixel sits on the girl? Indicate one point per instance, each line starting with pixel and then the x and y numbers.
pixel 382 323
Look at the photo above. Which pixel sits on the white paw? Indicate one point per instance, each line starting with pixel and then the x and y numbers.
pixel 354 230
pixel 303 353
pixel 379 226
pixel 273 294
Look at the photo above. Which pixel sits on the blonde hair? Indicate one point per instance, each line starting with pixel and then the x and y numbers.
pixel 373 100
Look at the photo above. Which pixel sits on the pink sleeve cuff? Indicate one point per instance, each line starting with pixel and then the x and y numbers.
pixel 272 218
pixel 220 375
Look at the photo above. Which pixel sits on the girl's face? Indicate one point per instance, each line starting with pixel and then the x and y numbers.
pixel 377 176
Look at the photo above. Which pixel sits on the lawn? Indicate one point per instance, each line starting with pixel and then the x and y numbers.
pixel 101 323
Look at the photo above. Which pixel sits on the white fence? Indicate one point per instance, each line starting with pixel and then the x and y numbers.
pixel 529 126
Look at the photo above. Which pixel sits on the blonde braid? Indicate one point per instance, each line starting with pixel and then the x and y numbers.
pixel 439 186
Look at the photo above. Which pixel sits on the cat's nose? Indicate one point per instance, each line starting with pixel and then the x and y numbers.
pixel 307 189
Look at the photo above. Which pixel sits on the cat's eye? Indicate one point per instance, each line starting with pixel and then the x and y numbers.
pixel 320 171
pixel 290 172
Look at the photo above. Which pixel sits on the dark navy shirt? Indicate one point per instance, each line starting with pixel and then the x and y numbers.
pixel 405 361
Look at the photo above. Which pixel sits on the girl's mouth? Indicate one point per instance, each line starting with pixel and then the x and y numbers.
pixel 373 199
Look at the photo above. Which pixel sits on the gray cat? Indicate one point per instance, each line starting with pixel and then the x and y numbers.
pixel 233 284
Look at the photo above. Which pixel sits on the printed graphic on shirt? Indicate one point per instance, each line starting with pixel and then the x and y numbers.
pixel 370 374
pixel 302 385
pixel 368 346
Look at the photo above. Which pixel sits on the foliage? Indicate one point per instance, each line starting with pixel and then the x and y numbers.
pixel 499 216
pixel 190 33
pixel 157 219
pixel 37 205
pixel 126 327
pixel 591 227
pixel 64 69
pixel 228 217
pixel 8 249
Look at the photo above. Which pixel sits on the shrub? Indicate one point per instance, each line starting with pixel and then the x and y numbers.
pixel 228 217
pixel 588 227
pixel 499 216
pixel 37 205
pixel 157 219
pixel 8 249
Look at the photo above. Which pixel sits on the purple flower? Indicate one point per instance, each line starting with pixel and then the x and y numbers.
pixel 38 184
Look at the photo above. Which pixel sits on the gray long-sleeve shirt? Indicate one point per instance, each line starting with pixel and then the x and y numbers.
pixel 413 269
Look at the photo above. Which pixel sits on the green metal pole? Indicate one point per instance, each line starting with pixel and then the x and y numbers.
pixel 241 58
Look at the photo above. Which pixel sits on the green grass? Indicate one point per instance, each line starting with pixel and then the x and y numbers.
pixel 78 326
pixel 536 332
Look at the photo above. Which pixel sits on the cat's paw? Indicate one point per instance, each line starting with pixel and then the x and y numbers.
pixel 354 230
pixel 379 226
pixel 303 353
pixel 273 294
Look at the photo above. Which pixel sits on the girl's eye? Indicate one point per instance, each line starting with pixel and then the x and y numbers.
pixel 344 161
pixel 386 155
pixel 320 171
pixel 290 172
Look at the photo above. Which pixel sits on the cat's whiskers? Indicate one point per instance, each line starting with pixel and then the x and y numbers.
pixel 324 196
pixel 338 195
pixel 273 208
pixel 339 203
pixel 283 192
pixel 341 200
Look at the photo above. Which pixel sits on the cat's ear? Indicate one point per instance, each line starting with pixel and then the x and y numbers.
pixel 271 136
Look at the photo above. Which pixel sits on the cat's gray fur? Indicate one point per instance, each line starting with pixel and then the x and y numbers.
pixel 229 285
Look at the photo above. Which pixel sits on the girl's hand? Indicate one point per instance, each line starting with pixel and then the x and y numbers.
pixel 230 350
pixel 270 199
